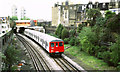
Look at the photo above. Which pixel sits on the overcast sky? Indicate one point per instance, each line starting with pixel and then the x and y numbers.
pixel 35 9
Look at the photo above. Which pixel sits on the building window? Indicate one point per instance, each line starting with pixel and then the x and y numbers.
pixel 119 4
pixel 2 26
pixel 74 7
pixel 65 14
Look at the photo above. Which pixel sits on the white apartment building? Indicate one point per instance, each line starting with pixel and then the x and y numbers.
pixel 23 12
pixel 14 10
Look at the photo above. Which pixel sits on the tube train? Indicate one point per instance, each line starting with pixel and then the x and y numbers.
pixel 52 45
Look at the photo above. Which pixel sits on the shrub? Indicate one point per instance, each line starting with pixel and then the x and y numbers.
pixel 87 39
pixel 66 40
pixel 114 23
pixel 100 21
pixel 109 14
pixel 77 42
pixel 72 32
pixel 118 67
pixel 72 41
pixel 65 33
pixel 79 28
pixel 115 52
pixel 106 56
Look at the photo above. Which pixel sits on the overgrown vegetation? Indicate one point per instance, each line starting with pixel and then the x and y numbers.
pixel 87 61
pixel 11 56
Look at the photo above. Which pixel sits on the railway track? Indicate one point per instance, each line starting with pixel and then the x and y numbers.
pixel 40 62
pixel 37 58
pixel 65 65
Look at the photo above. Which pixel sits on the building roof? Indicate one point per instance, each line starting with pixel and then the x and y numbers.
pixel 22 21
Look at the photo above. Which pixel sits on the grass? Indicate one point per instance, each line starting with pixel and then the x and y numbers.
pixel 89 62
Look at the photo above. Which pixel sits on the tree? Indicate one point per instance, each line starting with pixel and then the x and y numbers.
pixel 59 30
pixel 92 15
pixel 14 18
pixel 114 23
pixel 65 33
pixel 25 18
pixel 72 32
pixel 109 14
pixel 100 21
pixel 80 26
pixel 87 39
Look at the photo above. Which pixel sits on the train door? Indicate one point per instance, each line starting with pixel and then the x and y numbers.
pixel 56 47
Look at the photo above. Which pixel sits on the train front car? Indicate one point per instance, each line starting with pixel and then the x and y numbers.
pixel 56 47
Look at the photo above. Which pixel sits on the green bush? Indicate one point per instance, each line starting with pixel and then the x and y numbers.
pixel 114 23
pixel 72 41
pixel 118 67
pixel 87 39
pixel 79 28
pixel 65 33
pixel 109 14
pixel 66 40
pixel 115 52
pixel 72 32
pixel 77 42
pixel 100 21
pixel 106 56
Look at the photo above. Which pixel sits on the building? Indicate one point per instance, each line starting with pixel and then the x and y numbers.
pixel 22 22
pixel 4 25
pixel 4 31
pixel 55 15
pixel 25 23
pixel 68 14
pixel 114 6
pixel 14 10
pixel 23 12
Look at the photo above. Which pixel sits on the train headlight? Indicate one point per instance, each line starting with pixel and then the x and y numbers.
pixel 51 50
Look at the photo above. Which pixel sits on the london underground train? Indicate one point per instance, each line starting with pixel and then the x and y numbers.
pixel 51 44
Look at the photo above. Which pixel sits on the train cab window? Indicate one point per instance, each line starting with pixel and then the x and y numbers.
pixel 56 44
pixel 60 44
pixel 52 44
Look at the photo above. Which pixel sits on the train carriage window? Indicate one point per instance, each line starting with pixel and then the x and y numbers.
pixel 56 44
pixel 52 44
pixel 60 44
pixel 46 44
pixel 38 39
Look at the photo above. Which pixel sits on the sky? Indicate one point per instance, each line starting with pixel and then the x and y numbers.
pixel 35 9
